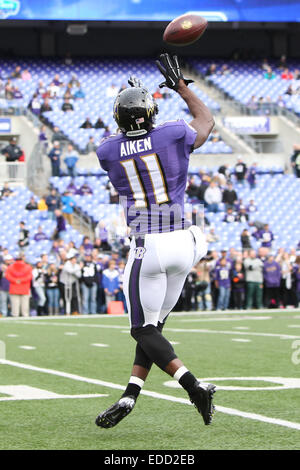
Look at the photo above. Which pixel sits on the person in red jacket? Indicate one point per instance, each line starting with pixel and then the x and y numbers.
pixel 19 274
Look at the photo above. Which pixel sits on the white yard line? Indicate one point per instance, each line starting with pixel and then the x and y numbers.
pixel 174 330
pixel 222 409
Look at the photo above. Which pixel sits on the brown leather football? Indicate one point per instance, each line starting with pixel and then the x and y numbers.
pixel 185 30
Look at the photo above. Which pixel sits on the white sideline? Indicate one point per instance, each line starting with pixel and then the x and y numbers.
pixel 222 409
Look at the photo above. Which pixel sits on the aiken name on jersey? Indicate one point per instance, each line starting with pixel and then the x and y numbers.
pixel 135 146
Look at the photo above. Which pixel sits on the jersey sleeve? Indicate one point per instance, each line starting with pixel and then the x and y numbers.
pixel 184 134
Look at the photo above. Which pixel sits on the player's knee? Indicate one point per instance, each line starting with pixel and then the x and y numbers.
pixel 138 332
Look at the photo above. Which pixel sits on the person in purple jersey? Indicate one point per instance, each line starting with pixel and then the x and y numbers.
pixel 148 167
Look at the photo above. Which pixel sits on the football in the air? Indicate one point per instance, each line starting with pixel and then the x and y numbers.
pixel 185 29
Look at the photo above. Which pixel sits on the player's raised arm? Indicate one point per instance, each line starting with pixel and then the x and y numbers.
pixel 203 121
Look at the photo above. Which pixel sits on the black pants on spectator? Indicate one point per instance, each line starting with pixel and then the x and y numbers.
pixel 272 297
pixel 238 296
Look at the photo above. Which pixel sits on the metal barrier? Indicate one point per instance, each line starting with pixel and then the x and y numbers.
pixel 14 172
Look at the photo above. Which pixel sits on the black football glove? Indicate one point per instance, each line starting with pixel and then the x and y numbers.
pixel 135 82
pixel 170 69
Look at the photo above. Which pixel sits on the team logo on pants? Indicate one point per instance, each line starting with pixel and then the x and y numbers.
pixel 139 252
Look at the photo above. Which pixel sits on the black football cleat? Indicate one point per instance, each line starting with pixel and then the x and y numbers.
pixel 114 414
pixel 201 397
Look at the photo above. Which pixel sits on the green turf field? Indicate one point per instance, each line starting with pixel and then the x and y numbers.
pixel 57 374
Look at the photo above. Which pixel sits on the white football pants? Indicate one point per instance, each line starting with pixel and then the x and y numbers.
pixel 156 271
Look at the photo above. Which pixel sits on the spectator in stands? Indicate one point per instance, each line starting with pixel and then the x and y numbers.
pixel 265 64
pixel 60 230
pixel 12 153
pixel 211 70
pixel 31 205
pixel 89 285
pixel 91 146
pixel 57 81
pixel 53 91
pixel 240 171
pixel 272 277
pixel 43 208
pixel 295 160
pixel 40 235
pixel 245 240
pixel 269 74
pixel 229 196
pixel 223 283
pixel 53 202
pixel 45 106
pixel 6 191
pixel 296 74
pixel 16 73
pixel 254 280
pixel 211 236
pixel 286 284
pixel 86 124
pixel 23 240
pixel 52 289
pixel 253 104
pixel 280 102
pixel 238 285
pixel 225 70
pixel 68 93
pixel 251 206
pixel 282 62
pixel 58 135
pixel 69 277
pixel 214 136
pixel 107 132
pixel 26 75
pixel 203 284
pixel 110 282
pixel 230 216
pixel 112 91
pixel 157 94
pixel 287 75
pixel 296 278
pixel 225 170
pixel 251 175
pixel 74 82
pixel 68 205
pixel 290 91
pixel 242 216
pixel 4 285
pixel 39 286
pixel 17 94
pixel 54 155
pixel 99 124
pixel 85 189
pixel 266 237
pixel 72 188
pixel 213 197
pixel 19 275
pixel 192 188
pixel 9 90
pixel 67 105
pixel 79 94
pixel 41 89
pixel 71 159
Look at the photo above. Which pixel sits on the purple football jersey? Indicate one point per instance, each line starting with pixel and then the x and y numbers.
pixel 150 175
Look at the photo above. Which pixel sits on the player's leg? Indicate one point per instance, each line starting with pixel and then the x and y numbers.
pixel 201 396
pixel 144 289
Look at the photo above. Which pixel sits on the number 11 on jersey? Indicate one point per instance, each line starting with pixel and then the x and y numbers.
pixel 156 176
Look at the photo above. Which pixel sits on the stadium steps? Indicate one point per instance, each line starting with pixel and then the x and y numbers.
pixel 227 108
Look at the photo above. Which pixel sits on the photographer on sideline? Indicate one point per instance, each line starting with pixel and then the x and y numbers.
pixel 254 280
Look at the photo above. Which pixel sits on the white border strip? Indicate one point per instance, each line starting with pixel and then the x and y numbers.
pixel 222 409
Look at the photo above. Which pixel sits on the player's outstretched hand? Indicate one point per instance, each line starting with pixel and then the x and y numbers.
pixel 135 82
pixel 170 69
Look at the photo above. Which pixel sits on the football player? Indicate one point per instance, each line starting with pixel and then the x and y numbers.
pixel 148 166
